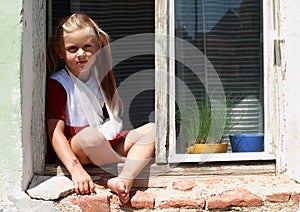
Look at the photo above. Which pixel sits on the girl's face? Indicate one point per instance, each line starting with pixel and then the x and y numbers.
pixel 77 49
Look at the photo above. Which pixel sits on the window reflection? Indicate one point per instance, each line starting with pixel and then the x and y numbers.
pixel 229 33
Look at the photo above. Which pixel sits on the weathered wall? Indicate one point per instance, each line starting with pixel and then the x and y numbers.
pixel 10 98
pixel 22 86
pixel 22 68
pixel 291 35
pixel 33 84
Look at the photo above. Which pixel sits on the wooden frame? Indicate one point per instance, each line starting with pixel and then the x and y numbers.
pixel 161 81
pixel 168 105
pixel 164 106
pixel 160 175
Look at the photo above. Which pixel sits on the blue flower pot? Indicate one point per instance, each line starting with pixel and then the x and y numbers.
pixel 247 142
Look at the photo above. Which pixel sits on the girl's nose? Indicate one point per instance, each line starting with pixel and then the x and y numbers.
pixel 81 52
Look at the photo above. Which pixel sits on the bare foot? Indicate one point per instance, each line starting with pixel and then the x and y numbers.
pixel 120 186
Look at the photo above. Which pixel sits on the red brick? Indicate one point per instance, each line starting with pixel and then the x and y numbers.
pixel 233 198
pixel 296 197
pixel 284 179
pixel 91 203
pixel 278 197
pixel 183 203
pixel 143 200
pixel 213 180
pixel 184 185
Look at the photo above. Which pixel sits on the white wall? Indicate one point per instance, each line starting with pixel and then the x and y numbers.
pixel 291 35
pixel 27 77
pixel 22 87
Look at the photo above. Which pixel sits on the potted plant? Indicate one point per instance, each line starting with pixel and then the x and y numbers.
pixel 247 142
pixel 201 128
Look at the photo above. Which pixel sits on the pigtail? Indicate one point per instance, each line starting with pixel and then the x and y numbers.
pixel 108 82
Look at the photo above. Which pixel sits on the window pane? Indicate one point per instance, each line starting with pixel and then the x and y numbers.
pixel 229 33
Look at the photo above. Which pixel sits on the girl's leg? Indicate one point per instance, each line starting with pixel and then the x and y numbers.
pixel 139 147
pixel 90 146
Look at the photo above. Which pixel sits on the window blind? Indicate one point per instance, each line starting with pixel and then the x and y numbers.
pixel 229 33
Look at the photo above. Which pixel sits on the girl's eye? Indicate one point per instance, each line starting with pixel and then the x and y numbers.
pixel 72 49
pixel 87 46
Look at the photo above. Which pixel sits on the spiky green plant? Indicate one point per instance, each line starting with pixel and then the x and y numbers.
pixel 197 124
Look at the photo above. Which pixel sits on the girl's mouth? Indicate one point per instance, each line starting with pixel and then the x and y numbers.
pixel 82 62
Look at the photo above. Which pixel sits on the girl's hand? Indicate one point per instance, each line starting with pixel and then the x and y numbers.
pixel 83 182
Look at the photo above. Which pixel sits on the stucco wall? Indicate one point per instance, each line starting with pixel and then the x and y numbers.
pixel 22 88
pixel 10 98
pixel 291 35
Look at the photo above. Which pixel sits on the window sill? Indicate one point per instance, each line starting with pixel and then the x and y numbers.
pixel 201 158
pixel 157 175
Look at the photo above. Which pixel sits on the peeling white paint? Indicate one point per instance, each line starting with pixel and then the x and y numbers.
pixel 291 33
pixel 18 155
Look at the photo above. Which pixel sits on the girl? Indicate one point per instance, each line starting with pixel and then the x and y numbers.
pixel 83 105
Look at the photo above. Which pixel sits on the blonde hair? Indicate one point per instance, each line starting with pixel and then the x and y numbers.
pixel 79 21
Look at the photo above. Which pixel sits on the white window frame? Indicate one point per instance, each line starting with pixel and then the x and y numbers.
pixel 280 141
pixel 275 147
pixel 166 132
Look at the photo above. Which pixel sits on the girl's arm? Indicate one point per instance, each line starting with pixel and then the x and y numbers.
pixel 83 183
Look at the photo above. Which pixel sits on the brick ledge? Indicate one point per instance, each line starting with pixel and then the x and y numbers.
pixel 202 193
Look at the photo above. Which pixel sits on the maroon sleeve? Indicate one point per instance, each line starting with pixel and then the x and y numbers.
pixel 56 100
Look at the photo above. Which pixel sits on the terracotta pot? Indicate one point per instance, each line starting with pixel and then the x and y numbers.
pixel 207 148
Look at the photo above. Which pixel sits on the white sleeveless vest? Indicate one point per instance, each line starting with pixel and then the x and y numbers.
pixel 76 110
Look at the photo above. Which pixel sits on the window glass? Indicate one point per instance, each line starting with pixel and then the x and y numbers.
pixel 228 33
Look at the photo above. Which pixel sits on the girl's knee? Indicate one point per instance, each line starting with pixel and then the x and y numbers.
pixel 148 128
pixel 152 129
pixel 90 137
pixel 151 126
pixel 148 133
